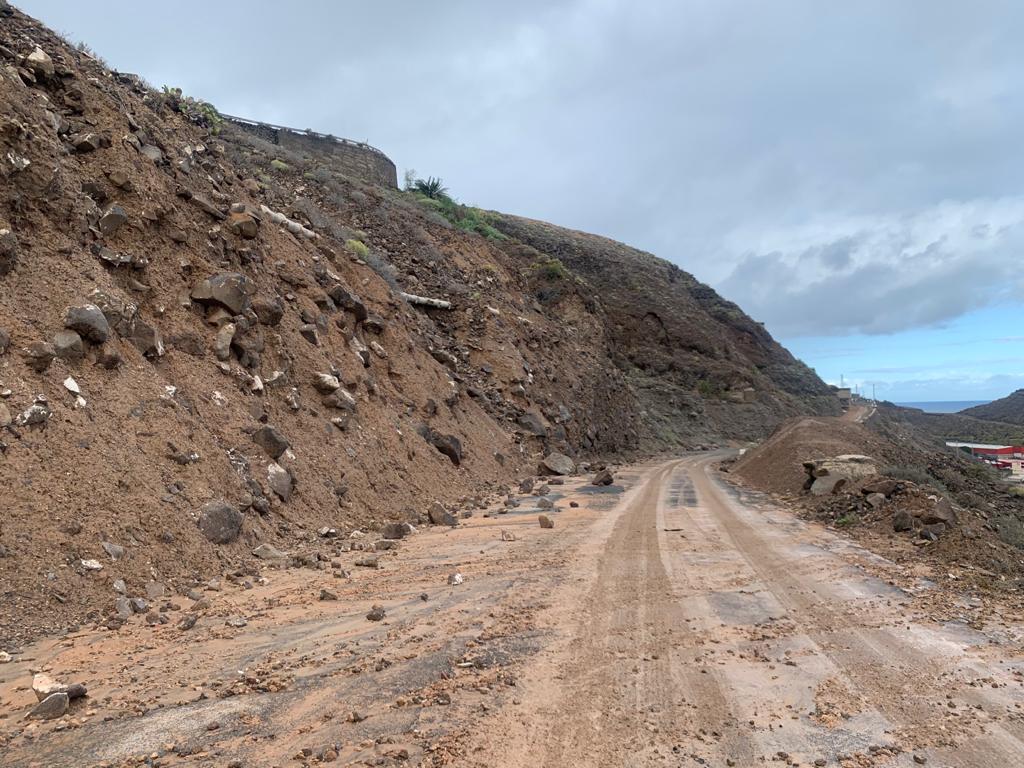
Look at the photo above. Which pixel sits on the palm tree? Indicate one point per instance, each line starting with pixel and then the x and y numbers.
pixel 431 187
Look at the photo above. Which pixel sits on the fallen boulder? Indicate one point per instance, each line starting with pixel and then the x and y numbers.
pixel 559 463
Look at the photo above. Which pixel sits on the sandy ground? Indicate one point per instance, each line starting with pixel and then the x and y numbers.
pixel 669 620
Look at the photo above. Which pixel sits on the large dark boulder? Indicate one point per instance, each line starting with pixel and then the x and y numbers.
pixel 220 522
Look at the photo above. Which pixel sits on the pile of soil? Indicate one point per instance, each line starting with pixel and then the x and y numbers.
pixel 985 540
pixel 777 464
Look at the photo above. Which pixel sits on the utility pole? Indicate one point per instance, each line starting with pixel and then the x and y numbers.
pixel 873 399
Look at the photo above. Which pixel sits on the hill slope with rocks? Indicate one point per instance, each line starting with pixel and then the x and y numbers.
pixel 209 342
pixel 1009 409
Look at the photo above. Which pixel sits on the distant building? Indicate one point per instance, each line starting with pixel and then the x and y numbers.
pixel 1009 457
pixel 843 393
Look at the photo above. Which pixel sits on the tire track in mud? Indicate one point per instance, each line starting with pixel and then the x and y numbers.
pixel 892 673
pixel 633 697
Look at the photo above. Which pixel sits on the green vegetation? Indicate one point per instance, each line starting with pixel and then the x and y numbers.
pixel 431 187
pixel 431 193
pixel 550 268
pixel 913 474
pixel 846 520
pixel 197 111
pixel 709 388
pixel 358 247
pixel 280 165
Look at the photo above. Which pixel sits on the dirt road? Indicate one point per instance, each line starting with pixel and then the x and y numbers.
pixel 668 621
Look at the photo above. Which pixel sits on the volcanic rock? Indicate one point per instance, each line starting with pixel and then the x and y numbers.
pixel 220 522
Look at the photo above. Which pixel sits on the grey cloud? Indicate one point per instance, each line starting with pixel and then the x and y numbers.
pixel 893 274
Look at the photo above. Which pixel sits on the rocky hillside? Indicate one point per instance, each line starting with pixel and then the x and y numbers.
pixel 1009 409
pixel 208 342
pixel 697 363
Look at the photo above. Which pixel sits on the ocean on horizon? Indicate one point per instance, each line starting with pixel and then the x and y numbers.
pixel 944 406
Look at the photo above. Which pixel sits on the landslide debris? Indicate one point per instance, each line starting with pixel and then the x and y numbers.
pixel 261 348
pixel 896 488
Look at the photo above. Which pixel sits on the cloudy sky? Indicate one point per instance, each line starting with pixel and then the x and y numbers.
pixel 850 173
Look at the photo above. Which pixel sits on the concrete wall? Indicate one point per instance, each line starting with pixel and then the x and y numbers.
pixel 353 158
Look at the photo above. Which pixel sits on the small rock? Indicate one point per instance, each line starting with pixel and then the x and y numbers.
pixel 188 621
pixel 88 321
pixel 326 594
pixel 43 686
pixel 559 463
pixel 309 333
pixel 77 691
pixel 87 142
pixel 902 521
pixel 112 220
pixel 440 516
pixel 67 345
pixel 507 535
pixel 222 341
pixel 545 503
pixel 876 500
pixel 38 356
pixel 280 480
pixel 123 608
pixel 92 565
pixel 326 383
pixel 271 441
pixel 370 561
pixel 40 63
pixel 393 531
pixel 116 551
pixel 155 590
pixel 545 521
pixel 237 622
pixel 53 706
pixel 604 477
pixel 454 579
pixel 268 552
pixel 228 289
pixel 220 522
pixel 941 512
pixel 376 613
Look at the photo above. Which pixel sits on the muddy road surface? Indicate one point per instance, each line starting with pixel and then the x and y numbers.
pixel 668 620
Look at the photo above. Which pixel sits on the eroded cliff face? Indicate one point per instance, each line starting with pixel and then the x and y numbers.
pixel 204 343
pixel 701 368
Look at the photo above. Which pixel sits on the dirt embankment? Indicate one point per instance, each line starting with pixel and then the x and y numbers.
pixel 204 346
pixel 916 504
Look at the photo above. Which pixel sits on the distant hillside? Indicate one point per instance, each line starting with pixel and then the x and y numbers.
pixel 1008 409
pixel 953 426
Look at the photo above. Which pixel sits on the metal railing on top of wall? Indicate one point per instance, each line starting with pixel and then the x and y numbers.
pixel 302 132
